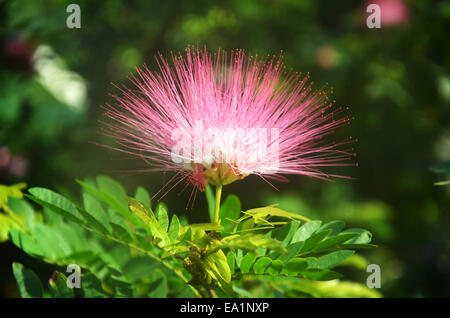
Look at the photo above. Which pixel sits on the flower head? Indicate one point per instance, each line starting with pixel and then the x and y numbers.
pixel 217 118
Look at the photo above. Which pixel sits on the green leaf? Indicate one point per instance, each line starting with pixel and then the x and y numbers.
pixel 285 232
pixel 149 219
pixel 118 285
pixel 162 217
pixel 206 226
pixel 265 212
pixel 58 286
pixel 331 260
pixel 120 233
pixel 320 274
pixel 231 260
pixel 275 267
pixel 261 265
pixel 158 287
pixel 216 265
pixel 313 240
pixel 334 240
pixel 174 228
pixel 51 243
pixel 12 191
pixel 143 197
pixel 5 225
pixel 22 208
pixel 91 286
pixel 230 209
pixel 250 242
pixel 305 231
pixel 247 262
pixel 57 203
pixel 28 283
pixel 138 268
pixel 112 188
pixel 358 246
pixel 83 258
pixel 109 198
pixel 364 236
pixel 239 257
pixel 186 292
pixel 294 266
pixel 335 226
pixel 248 224
pixel 25 242
pixel 94 214
pixel 222 264
pixel 292 251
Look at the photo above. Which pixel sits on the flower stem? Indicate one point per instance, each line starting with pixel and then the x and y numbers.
pixel 217 207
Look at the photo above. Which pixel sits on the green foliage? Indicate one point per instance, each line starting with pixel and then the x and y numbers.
pixel 125 249
pixel 29 284
pixel 9 200
pixel 442 168
pixel 58 286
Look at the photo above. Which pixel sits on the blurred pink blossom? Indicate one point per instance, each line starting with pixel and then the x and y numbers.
pixel 228 94
pixel 393 12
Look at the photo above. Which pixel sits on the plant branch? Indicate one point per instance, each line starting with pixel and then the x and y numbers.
pixel 217 205
pixel 150 254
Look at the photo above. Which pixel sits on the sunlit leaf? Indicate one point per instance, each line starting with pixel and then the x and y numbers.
pixel 206 226
pixel 251 242
pixel 334 240
pixel 57 203
pixel 305 231
pixel 262 213
pixel 230 210
pixel 142 196
pixel 162 217
pixel 149 219
pixel 174 228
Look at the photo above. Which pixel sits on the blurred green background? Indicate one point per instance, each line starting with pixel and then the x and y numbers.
pixel 396 81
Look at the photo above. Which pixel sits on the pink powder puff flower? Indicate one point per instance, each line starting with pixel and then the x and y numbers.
pixel 214 118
